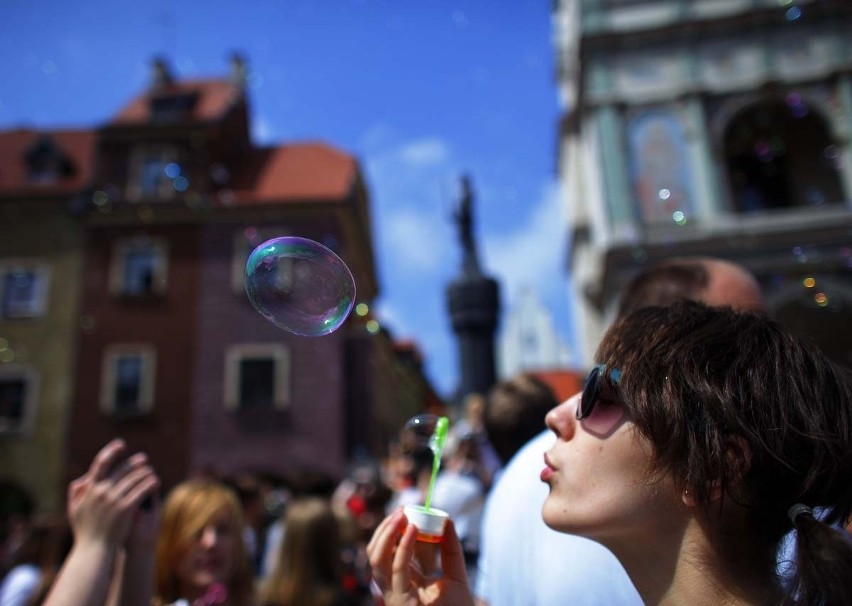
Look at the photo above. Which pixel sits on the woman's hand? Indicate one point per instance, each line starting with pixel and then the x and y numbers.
pixel 391 552
pixel 103 503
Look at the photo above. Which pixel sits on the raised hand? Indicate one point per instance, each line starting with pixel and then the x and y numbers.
pixel 103 503
pixel 391 552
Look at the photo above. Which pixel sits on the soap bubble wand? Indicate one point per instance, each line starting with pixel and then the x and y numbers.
pixel 436 445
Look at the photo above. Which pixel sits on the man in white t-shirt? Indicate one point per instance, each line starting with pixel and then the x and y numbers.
pixel 523 562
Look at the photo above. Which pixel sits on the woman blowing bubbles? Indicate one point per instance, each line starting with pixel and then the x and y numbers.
pixel 702 438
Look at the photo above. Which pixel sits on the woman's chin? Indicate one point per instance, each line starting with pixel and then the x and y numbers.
pixel 554 516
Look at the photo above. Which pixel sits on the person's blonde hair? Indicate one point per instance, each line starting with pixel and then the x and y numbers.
pixel 308 571
pixel 190 507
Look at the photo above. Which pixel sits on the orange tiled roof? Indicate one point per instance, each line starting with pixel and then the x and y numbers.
pixel 295 172
pixel 564 383
pixel 76 145
pixel 214 97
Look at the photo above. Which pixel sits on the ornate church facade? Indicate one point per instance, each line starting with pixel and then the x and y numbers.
pixel 709 127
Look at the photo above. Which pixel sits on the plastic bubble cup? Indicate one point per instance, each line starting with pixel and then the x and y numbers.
pixel 430 524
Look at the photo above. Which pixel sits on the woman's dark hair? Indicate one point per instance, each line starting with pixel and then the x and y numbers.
pixel 734 401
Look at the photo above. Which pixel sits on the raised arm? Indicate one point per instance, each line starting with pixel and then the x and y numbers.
pixel 101 508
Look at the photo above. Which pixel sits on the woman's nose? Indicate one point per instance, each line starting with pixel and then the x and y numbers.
pixel 562 420
pixel 209 536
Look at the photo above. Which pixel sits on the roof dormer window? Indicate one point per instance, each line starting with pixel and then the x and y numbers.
pixel 46 163
pixel 172 107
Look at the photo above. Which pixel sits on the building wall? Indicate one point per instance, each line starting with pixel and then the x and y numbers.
pixel 644 159
pixel 167 322
pixel 308 434
pixel 45 233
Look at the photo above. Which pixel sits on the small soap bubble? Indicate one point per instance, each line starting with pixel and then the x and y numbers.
pixel 300 285
pixel 419 433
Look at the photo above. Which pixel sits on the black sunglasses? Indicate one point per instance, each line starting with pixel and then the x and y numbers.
pixel 592 389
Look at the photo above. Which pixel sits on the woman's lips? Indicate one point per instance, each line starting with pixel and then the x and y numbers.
pixel 548 470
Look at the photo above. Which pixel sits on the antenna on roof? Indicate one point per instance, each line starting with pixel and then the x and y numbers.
pixel 161 74
pixel 239 70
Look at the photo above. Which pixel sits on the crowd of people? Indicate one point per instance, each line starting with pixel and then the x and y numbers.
pixel 707 460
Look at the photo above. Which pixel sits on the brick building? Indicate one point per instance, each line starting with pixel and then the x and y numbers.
pixel 156 340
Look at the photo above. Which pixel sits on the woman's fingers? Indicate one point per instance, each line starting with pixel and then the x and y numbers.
pixel 401 568
pixel 381 548
pixel 134 485
pixel 452 556
pixel 105 460
pixel 382 529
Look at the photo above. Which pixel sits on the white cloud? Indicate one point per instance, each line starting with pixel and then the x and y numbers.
pixel 262 131
pixel 405 178
pixel 387 314
pixel 378 135
pixel 430 151
pixel 411 238
pixel 531 255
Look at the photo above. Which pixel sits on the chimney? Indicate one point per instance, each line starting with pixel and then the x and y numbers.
pixel 239 70
pixel 161 75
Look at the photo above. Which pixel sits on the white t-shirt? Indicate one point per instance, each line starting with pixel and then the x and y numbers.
pixel 522 562
pixel 463 498
pixel 19 585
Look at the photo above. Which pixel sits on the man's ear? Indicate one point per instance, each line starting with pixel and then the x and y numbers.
pixel 738 461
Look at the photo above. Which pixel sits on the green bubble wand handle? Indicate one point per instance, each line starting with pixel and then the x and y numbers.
pixel 436 445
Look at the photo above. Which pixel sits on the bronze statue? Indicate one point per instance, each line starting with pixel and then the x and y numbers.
pixel 464 219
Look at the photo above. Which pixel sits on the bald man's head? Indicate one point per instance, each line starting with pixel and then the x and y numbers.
pixel 712 281
pixel 730 285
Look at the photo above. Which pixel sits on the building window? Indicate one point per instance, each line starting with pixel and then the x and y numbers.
pixel 128 380
pixel 659 167
pixel 172 108
pixel 23 290
pixel 139 267
pixel 257 377
pixel 46 162
pixel 245 241
pixel 156 172
pixel 18 386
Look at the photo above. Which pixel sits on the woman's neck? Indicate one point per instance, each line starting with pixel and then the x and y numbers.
pixel 667 569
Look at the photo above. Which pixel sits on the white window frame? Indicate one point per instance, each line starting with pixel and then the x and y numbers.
pixel 41 274
pixel 147 387
pixel 123 246
pixel 167 154
pixel 280 356
pixel 31 379
pixel 242 249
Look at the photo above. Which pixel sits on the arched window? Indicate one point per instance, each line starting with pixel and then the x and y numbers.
pixel 779 153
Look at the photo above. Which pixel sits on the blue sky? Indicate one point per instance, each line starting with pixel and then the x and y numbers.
pixel 419 90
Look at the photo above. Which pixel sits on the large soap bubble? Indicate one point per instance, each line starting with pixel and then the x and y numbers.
pixel 300 285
